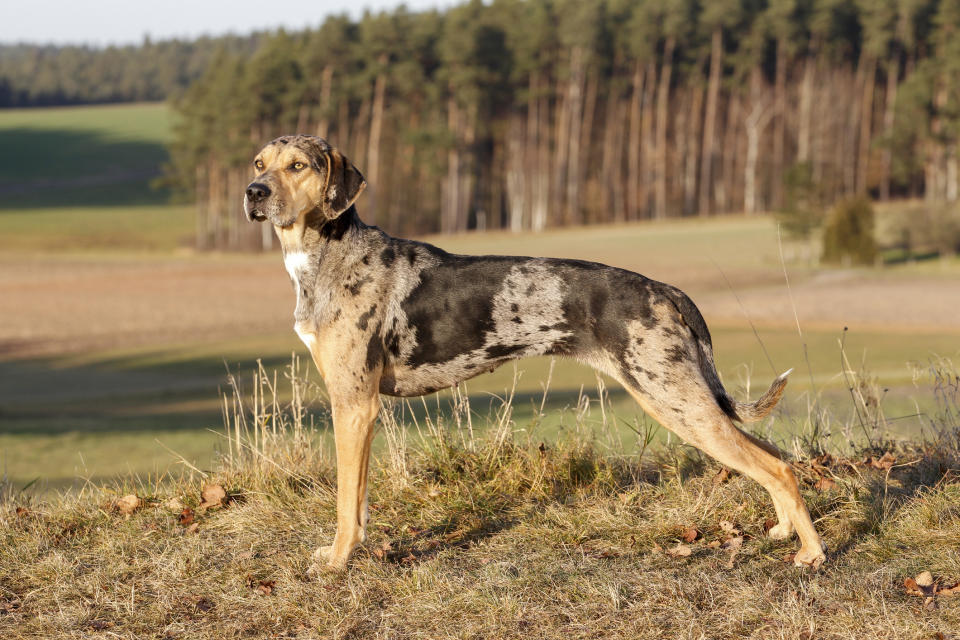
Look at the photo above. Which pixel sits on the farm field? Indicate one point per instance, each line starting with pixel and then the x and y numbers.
pixel 92 390
pixel 116 335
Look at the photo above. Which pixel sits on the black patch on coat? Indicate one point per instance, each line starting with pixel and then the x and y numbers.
pixel 365 318
pixel 678 353
pixel 387 256
pixel 451 309
pixel 503 350
pixel 374 350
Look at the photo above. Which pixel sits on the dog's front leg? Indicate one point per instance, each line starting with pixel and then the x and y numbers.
pixel 354 415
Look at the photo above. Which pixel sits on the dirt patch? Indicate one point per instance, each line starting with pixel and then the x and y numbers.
pixel 56 305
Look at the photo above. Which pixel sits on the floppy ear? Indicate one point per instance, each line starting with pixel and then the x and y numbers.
pixel 344 184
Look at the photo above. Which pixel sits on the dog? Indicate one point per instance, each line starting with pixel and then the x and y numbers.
pixel 384 315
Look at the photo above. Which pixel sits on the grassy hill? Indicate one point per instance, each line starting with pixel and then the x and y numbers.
pixel 82 156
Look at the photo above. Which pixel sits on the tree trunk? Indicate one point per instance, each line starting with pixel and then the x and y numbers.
pixel 373 148
pixel 516 178
pixel 893 71
pixel 586 138
pixel 451 186
pixel 780 124
pixel 756 121
pixel 662 103
pixel 326 85
pixel 866 123
pixel 575 101
pixel 693 136
pixel 806 111
pixel 634 145
pixel 710 119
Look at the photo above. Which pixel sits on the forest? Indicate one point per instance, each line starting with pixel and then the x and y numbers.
pixel 528 114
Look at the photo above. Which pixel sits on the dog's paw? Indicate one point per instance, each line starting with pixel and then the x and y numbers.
pixel 322 554
pixel 812 558
pixel 781 531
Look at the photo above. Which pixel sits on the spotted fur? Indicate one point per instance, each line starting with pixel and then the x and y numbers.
pixel 383 315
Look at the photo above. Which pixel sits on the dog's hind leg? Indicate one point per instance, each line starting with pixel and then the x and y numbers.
pixel 661 370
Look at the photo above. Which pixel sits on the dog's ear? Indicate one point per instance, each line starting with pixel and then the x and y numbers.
pixel 344 184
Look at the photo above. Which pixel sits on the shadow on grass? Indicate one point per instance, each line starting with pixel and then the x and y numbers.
pixel 42 168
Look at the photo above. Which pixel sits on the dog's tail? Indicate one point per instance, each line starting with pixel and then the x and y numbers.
pixel 739 411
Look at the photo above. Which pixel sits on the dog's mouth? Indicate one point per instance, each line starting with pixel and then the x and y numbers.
pixel 254 214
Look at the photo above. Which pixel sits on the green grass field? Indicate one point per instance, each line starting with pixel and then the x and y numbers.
pixel 82 156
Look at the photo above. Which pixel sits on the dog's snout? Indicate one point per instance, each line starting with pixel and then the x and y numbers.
pixel 257 191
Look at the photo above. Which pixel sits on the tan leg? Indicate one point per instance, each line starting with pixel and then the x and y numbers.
pixel 703 424
pixel 784 528
pixel 353 422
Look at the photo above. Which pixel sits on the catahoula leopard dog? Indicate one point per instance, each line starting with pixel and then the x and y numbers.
pixel 383 315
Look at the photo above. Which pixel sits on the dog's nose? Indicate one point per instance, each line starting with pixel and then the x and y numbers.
pixel 257 191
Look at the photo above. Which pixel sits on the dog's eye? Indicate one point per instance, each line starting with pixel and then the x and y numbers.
pixel 297 166
pixel 258 164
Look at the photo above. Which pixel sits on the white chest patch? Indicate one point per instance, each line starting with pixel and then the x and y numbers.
pixel 295 262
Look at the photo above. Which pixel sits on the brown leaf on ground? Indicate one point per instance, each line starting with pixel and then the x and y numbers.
pixel 127 504
pixel 191 529
pixel 824 484
pixel 732 546
pixel 100 625
pixel 174 504
pixel 680 551
pixel 9 606
pixel 920 585
pixel 713 544
pixel 264 587
pixel 789 558
pixel 728 527
pixel 689 534
pixel 948 592
pixel 768 524
pixel 381 552
pixel 204 604
pixel 212 496
pixel 721 476
pixel 23 512
pixel 884 462
pixel 186 516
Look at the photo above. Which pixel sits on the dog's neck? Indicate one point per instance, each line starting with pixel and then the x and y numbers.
pixel 320 239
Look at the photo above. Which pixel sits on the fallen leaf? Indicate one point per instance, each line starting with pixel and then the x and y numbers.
pixel 212 496
pixel 9 606
pixel 381 552
pixel 128 504
pixel 100 625
pixel 824 484
pixel 689 534
pixel 186 516
pixel 768 524
pixel 947 592
pixel 884 462
pixel 680 551
pixel 924 579
pixel 204 604
pixel 789 558
pixel 713 544
pixel 732 546
pixel 728 527
pixel 721 476
pixel 264 587
pixel 23 512
pixel 174 504
pixel 191 529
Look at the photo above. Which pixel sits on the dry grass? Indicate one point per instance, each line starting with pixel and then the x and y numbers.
pixel 479 530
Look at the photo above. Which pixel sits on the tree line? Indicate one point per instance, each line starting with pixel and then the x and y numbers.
pixel 524 114
pixel 49 75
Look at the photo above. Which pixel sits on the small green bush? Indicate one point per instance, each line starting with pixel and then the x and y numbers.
pixel 802 212
pixel 848 235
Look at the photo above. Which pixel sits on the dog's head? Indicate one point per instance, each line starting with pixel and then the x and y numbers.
pixel 299 174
